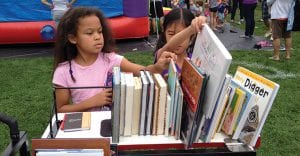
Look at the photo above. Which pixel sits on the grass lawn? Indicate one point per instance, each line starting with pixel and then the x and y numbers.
pixel 26 94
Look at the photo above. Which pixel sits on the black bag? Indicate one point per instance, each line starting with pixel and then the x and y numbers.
pixel 296 24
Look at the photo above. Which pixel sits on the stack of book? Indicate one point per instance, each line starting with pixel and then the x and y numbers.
pixel 198 103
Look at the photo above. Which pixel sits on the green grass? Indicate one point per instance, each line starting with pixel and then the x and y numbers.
pixel 26 94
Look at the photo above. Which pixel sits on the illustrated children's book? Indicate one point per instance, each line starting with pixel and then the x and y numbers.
pixel 266 91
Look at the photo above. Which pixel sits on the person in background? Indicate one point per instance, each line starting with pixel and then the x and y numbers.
pixel 237 4
pixel 156 15
pixel 249 9
pixel 180 27
pixel 279 16
pixel 194 9
pixel 213 8
pixel 84 56
pixel 58 8
pixel 222 12
pixel 266 18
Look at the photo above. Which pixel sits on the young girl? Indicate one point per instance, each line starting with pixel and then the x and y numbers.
pixel 84 56
pixel 180 25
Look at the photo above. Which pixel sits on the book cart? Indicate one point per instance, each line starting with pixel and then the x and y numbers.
pixel 135 145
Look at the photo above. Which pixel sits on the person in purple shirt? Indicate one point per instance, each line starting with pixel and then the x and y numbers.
pixel 248 10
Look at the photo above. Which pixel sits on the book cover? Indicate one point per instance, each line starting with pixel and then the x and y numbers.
pixel 246 107
pixel 266 91
pixel 193 88
pixel 77 121
pixel 233 111
pixel 213 58
pixel 128 104
pixel 136 105
pixel 115 115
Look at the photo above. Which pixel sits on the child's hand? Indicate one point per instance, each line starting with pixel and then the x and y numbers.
pixel 164 60
pixel 197 24
pixel 103 98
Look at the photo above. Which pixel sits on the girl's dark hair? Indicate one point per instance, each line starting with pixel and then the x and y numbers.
pixel 68 25
pixel 179 14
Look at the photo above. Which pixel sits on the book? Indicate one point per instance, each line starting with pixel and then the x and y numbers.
pixel 246 107
pixel 233 111
pixel 76 121
pixel 266 91
pixel 161 103
pixel 192 87
pixel 218 109
pixel 172 78
pixel 122 103
pixel 166 116
pixel 115 115
pixel 136 105
pixel 144 101
pixel 210 55
pixel 128 103
pixel 149 108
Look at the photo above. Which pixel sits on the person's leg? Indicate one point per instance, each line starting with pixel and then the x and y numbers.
pixel 288 46
pixel 277 34
pixel 247 15
pixel 251 19
pixel 153 22
pixel 240 4
pixel 233 11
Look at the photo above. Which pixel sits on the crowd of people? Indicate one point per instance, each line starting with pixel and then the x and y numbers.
pixel 85 54
pixel 275 15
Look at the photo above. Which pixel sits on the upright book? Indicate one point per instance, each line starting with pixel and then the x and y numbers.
pixel 213 58
pixel 115 115
pixel 76 121
pixel 266 91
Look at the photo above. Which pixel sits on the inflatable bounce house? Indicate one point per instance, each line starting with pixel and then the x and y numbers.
pixel 30 21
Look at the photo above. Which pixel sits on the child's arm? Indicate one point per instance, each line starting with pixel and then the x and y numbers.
pixel 50 5
pixel 177 39
pixel 161 64
pixel 63 97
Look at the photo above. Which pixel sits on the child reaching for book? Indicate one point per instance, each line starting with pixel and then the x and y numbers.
pixel 84 56
pixel 180 27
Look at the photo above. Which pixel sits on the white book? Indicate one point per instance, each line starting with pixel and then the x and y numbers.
pixel 168 104
pixel 149 108
pixel 161 111
pixel 218 110
pixel 128 103
pixel 122 103
pixel 144 100
pixel 70 152
pixel 136 105
pixel 266 91
pixel 211 56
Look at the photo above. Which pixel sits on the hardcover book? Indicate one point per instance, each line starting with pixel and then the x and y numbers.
pixel 76 121
pixel 266 91
pixel 213 58
pixel 116 104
